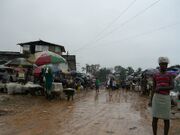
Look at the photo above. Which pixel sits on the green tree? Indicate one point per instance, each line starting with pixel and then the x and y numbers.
pixel 92 69
pixel 138 71
pixel 118 69
pixel 83 69
pixel 130 70
pixel 102 74
pixel 120 72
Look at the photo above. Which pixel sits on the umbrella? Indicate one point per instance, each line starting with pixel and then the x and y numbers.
pixel 79 79
pixel 177 78
pixel 53 67
pixel 111 76
pixel 150 71
pixel 18 62
pixel 37 70
pixel 173 72
pixel 46 57
pixel 177 83
pixel 4 67
pixel 129 77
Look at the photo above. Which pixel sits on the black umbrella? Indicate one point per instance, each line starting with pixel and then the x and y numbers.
pixel 79 79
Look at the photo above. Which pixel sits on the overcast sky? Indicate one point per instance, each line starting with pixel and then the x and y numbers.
pixel 106 32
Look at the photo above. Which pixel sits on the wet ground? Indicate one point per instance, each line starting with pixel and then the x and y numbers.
pixel 107 113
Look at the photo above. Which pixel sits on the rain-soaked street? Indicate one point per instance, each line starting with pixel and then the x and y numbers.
pixel 107 113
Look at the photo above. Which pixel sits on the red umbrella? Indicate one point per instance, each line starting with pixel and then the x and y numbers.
pixel 37 71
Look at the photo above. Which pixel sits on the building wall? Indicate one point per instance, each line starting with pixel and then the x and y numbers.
pixel 71 59
pixel 6 56
pixel 40 48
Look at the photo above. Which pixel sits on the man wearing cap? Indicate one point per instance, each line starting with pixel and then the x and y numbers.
pixel 161 102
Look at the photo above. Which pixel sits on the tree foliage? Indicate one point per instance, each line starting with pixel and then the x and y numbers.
pixel 120 72
pixel 138 71
pixel 130 70
pixel 92 69
pixel 102 74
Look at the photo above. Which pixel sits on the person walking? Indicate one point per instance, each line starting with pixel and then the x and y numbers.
pixel 114 85
pixel 161 103
pixel 48 82
pixel 21 75
pixel 97 83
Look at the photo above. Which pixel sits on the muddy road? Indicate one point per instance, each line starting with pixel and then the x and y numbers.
pixel 107 113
